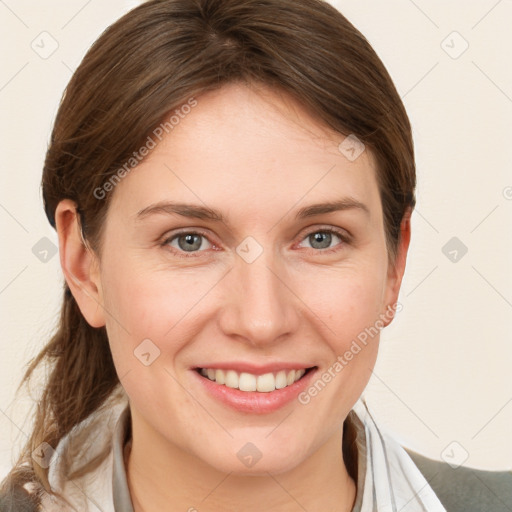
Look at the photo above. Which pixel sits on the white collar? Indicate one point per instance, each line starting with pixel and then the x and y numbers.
pixel 388 479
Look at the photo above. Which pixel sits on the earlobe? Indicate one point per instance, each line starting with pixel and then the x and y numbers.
pixel 79 264
pixel 397 269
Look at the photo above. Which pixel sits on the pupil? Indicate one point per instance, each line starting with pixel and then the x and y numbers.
pixel 322 239
pixel 191 242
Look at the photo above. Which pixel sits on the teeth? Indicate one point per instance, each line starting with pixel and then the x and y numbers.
pixel 219 376
pixel 281 380
pixel 248 382
pixel 231 379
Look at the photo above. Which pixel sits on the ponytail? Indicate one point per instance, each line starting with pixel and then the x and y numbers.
pixel 81 377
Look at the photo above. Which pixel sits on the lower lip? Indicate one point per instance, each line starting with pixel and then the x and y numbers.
pixel 253 401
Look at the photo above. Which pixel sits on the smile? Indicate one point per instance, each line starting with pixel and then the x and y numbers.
pixel 245 381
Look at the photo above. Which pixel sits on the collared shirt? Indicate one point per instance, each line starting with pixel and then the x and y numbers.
pixel 387 480
pixel 122 434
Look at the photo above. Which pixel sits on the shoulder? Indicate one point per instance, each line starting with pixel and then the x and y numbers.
pixel 79 469
pixel 466 489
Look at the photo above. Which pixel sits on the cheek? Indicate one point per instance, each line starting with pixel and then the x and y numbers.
pixel 145 330
pixel 347 301
pixel 345 306
pixel 157 304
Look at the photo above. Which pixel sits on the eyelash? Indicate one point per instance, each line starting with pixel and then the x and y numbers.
pixel 343 236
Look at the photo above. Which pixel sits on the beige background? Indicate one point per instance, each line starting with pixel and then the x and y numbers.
pixel 443 383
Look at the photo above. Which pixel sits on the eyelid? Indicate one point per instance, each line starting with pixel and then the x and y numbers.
pixel 167 238
pixel 326 227
pixel 345 236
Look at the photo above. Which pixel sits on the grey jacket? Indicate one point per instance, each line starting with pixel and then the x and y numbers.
pixel 464 489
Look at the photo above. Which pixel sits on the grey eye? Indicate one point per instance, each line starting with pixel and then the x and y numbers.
pixel 320 240
pixel 188 242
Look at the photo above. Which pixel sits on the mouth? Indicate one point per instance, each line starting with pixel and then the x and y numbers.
pixel 251 382
pixel 248 387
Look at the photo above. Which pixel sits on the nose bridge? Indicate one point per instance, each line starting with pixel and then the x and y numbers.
pixel 260 306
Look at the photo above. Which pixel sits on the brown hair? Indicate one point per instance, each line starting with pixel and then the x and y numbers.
pixel 153 60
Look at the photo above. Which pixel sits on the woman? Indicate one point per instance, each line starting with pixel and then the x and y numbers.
pixel 232 183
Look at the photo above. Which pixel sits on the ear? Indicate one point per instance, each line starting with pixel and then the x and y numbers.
pixel 79 264
pixel 396 270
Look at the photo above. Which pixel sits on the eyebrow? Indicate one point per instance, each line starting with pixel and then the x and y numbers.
pixel 204 213
pixel 347 203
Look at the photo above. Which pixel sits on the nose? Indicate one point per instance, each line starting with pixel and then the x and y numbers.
pixel 260 306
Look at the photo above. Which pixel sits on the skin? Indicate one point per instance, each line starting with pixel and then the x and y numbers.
pixel 257 156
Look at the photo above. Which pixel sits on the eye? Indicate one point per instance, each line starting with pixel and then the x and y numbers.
pixel 196 242
pixel 188 242
pixel 322 239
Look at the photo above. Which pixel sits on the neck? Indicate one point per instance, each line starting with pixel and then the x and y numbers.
pixel 162 478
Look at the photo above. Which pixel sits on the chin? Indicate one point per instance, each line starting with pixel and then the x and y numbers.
pixel 258 458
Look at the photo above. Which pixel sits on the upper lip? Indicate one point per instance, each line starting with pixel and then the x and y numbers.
pixel 255 369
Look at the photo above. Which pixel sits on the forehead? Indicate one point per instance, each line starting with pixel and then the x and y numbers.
pixel 248 145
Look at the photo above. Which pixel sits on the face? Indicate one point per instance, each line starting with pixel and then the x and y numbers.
pixel 247 280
